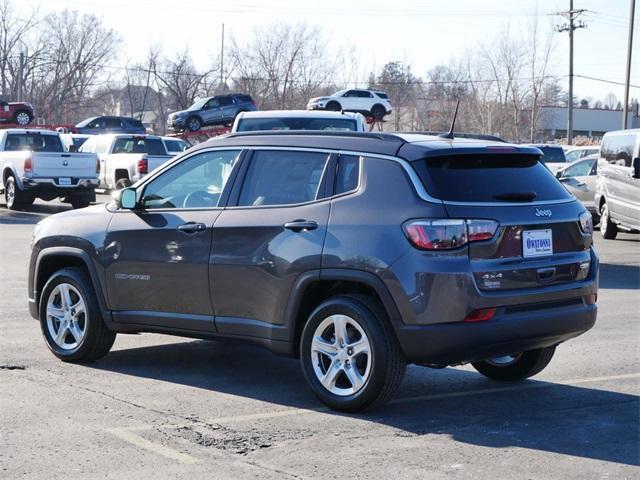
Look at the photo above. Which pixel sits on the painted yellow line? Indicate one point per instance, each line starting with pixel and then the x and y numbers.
pixel 128 436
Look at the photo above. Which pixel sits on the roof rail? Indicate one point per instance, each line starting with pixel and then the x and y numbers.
pixel 318 133
pixel 473 136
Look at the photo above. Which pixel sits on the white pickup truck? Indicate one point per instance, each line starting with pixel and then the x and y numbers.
pixel 126 158
pixel 34 164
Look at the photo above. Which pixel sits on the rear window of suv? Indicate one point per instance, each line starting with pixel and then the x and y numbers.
pixel 489 178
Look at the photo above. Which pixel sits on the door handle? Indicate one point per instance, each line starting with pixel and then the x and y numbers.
pixel 301 225
pixel 546 274
pixel 192 227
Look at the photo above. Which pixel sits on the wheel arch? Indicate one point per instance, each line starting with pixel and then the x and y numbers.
pixel 311 288
pixel 52 259
pixel 8 171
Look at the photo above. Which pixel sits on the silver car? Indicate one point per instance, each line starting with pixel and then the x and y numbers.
pixel 580 179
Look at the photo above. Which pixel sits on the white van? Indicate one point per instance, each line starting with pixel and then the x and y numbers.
pixel 618 186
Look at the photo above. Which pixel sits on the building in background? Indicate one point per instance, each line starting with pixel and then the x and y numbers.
pixel 587 122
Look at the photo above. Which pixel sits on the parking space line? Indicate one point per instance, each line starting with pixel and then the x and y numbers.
pixel 435 396
pixel 129 436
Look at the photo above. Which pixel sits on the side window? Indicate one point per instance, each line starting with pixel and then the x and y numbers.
pixel 213 103
pixel 581 169
pixel 348 174
pixel 114 123
pixel 364 94
pixel 97 123
pixel 618 149
pixel 283 178
pixel 351 93
pixel 196 182
pixel 226 101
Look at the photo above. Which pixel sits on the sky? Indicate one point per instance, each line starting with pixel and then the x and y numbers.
pixel 423 33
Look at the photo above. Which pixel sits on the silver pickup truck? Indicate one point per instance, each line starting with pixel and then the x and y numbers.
pixel 126 158
pixel 34 164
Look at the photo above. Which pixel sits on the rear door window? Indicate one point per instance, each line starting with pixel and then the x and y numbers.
pixel 489 178
pixel 618 149
pixel 283 178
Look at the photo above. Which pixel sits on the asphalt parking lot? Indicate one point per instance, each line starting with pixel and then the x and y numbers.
pixel 169 407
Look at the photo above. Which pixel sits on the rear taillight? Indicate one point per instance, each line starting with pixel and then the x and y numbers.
pixel 586 223
pixel 446 234
pixel 28 165
pixel 143 166
pixel 480 315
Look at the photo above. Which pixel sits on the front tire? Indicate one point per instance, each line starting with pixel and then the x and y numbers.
pixel 378 112
pixel 193 124
pixel 608 229
pixel 14 197
pixel 333 106
pixel 70 318
pixel 349 354
pixel 79 203
pixel 512 368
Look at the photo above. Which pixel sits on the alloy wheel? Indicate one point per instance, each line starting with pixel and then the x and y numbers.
pixel 66 316
pixel 10 194
pixel 504 360
pixel 22 118
pixel 341 355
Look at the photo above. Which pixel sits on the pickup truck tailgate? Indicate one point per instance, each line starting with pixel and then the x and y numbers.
pixel 56 165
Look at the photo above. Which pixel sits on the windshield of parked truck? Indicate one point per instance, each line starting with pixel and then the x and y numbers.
pixel 33 141
pixel 327 124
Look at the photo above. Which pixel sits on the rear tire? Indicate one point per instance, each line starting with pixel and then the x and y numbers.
pixel 79 203
pixel 16 198
pixel 22 118
pixel 378 112
pixel 365 359
pixel 333 106
pixel 84 336
pixel 608 229
pixel 525 365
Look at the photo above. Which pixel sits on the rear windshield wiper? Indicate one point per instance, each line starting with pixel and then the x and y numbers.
pixel 516 196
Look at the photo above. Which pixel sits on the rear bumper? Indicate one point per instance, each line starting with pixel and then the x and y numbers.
pixel 453 343
pixel 50 188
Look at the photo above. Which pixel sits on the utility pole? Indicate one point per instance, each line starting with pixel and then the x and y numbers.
pixel 571 15
pixel 20 75
pixel 625 105
pixel 222 61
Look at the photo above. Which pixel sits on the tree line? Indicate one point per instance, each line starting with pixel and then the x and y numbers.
pixel 68 65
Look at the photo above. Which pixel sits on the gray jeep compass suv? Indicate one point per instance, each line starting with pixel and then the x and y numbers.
pixel 355 252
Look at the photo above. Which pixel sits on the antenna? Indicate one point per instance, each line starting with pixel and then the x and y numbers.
pixel 449 134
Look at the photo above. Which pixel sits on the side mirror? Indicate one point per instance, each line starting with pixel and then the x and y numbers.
pixel 128 198
pixel 559 175
pixel 636 168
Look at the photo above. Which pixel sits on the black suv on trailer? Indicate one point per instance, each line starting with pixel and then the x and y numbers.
pixel 357 253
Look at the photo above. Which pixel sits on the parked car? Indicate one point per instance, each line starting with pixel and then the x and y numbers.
pixel 125 159
pixel 579 178
pixel 73 141
pixel 298 120
pixel 108 124
pixel 356 252
pixel 573 154
pixel 553 156
pixel 20 113
pixel 34 164
pixel 368 102
pixel 218 110
pixel 618 184
pixel 174 145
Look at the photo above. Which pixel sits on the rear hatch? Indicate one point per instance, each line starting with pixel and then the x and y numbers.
pixel 538 237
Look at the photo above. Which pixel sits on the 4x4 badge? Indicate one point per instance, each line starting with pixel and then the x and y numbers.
pixel 543 213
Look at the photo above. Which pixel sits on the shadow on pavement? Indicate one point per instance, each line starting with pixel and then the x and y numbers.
pixel 619 276
pixel 569 420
